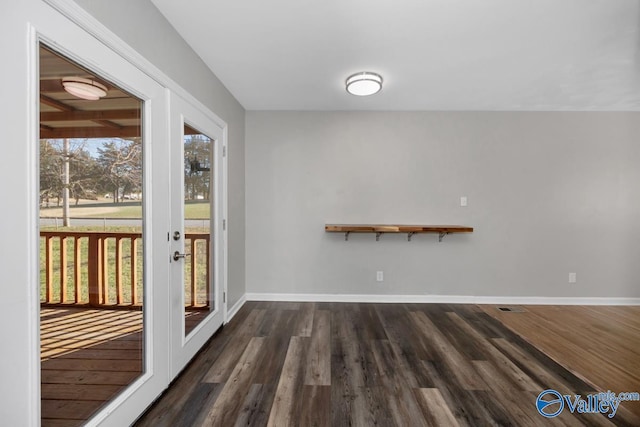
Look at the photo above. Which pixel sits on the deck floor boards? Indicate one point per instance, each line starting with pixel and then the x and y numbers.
pixel 88 356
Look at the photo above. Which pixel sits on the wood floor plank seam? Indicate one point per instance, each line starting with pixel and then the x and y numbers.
pixel 335 364
pixel 606 367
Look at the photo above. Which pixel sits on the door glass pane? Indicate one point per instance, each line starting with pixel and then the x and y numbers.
pixel 91 240
pixel 198 197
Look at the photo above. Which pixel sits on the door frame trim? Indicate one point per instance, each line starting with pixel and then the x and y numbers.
pixel 33 133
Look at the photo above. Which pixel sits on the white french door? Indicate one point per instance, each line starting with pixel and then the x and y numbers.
pixel 169 340
pixel 86 51
pixel 197 237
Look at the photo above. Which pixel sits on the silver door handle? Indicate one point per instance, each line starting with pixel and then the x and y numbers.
pixel 177 255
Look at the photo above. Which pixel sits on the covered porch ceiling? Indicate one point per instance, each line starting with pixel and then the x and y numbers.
pixel 62 115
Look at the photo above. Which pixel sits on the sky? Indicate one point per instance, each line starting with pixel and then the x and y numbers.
pixel 90 144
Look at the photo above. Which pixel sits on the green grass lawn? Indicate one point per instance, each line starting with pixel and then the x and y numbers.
pixel 199 209
pixel 124 211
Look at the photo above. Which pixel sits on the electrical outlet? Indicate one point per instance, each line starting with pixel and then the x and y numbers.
pixel 379 276
pixel 572 277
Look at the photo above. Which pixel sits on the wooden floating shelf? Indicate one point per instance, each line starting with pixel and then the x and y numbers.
pixel 380 229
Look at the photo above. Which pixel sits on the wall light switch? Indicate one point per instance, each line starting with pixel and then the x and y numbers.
pixel 379 276
pixel 572 278
pixel 463 201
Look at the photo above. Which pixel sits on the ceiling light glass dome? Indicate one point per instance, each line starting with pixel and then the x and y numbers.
pixel 84 88
pixel 364 83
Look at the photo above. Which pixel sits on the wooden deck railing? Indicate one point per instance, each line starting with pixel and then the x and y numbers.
pixel 104 269
pixel 197 295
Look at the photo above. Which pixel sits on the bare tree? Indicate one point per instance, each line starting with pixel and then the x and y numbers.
pixel 66 154
pixel 84 176
pixel 197 166
pixel 66 164
pixel 121 164
pixel 50 172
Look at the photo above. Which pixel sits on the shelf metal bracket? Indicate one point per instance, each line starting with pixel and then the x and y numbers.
pixel 441 236
pixel 346 235
pixel 378 234
pixel 409 235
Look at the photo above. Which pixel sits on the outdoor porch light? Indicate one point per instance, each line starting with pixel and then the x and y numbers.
pixel 84 88
pixel 364 83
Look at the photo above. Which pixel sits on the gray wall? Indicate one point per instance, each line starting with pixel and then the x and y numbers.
pixel 549 194
pixel 146 30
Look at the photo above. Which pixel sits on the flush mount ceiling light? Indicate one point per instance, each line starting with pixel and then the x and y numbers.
pixel 364 83
pixel 84 88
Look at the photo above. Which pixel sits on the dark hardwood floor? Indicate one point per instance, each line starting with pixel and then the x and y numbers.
pixel 333 364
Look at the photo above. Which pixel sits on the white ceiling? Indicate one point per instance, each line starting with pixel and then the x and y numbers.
pixel 432 54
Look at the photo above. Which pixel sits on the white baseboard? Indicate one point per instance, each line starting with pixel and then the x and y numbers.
pixel 447 299
pixel 236 307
